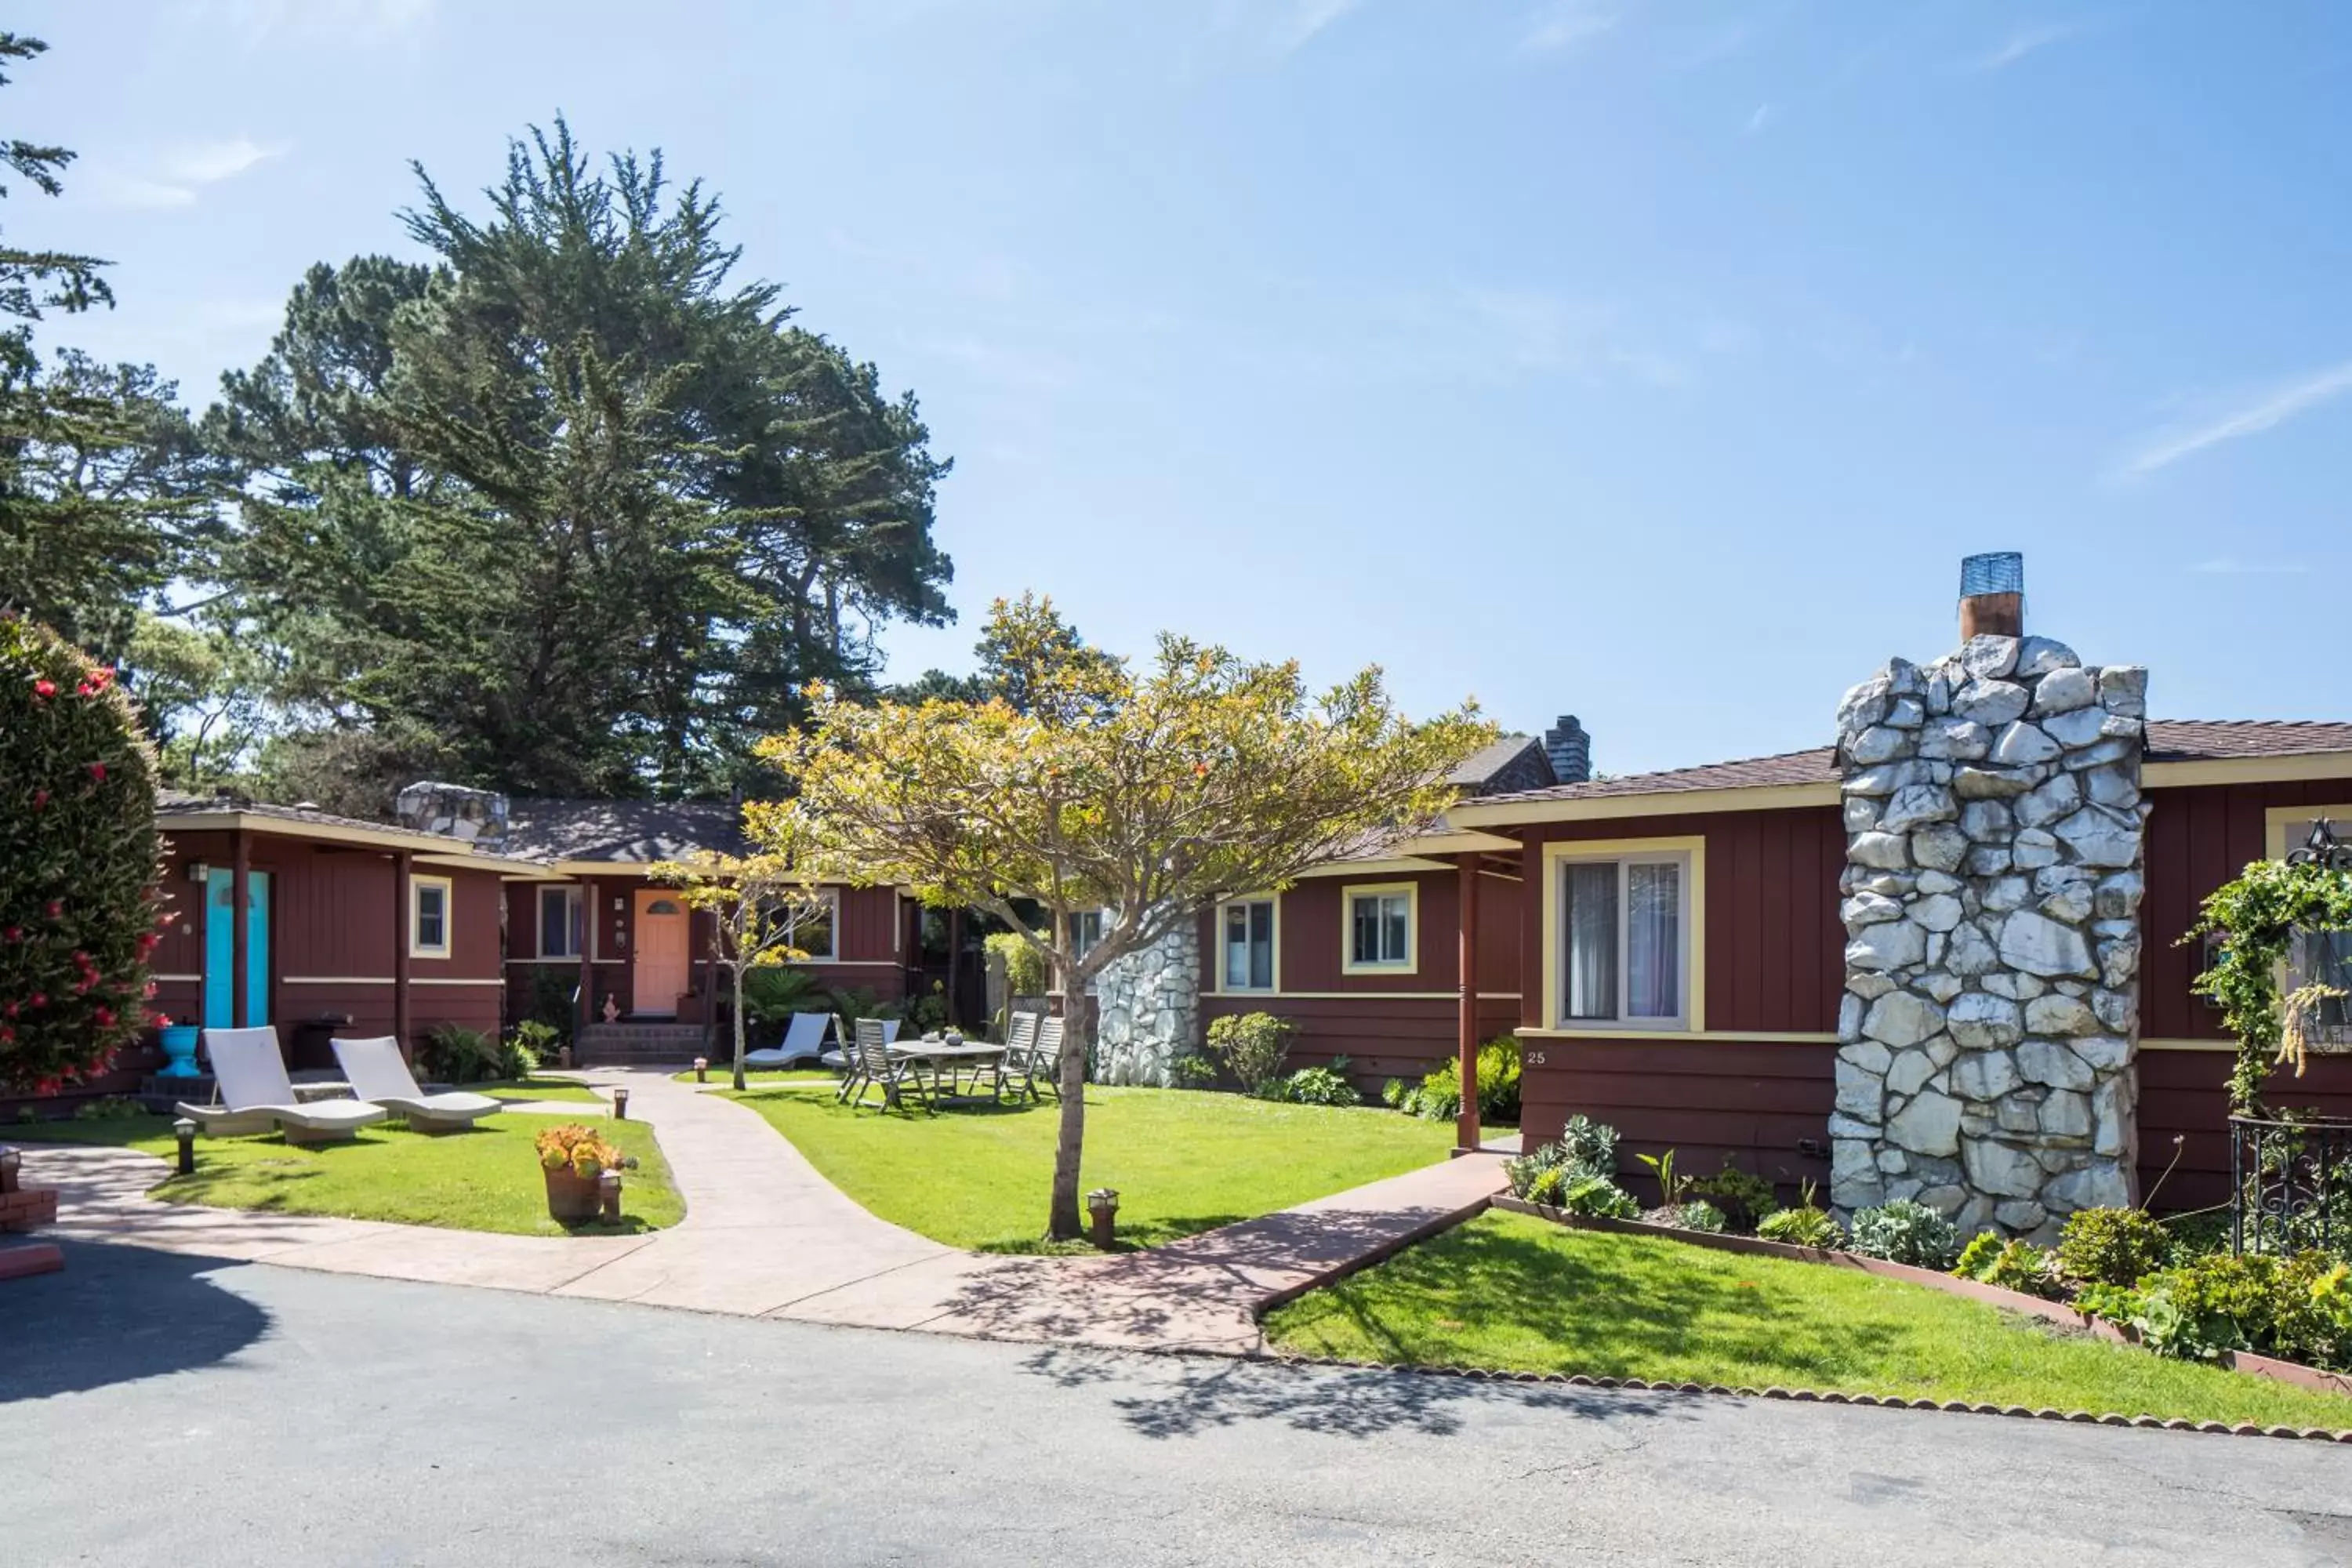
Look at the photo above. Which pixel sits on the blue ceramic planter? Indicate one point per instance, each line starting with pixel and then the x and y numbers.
pixel 179 1045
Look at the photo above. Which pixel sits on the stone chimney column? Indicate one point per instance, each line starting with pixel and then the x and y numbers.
pixel 1991 895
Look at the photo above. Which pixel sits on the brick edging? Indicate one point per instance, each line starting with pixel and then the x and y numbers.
pixel 2318 1380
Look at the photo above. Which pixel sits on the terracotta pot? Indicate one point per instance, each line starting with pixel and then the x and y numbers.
pixel 571 1199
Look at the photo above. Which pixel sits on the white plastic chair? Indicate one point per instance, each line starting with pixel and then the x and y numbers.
pixel 249 1080
pixel 378 1073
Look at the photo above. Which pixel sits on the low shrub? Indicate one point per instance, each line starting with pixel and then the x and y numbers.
pixel 1743 1198
pixel 451 1054
pixel 773 993
pixel 1585 1148
pixel 1438 1096
pixel 114 1107
pixel 1397 1094
pixel 1319 1086
pixel 1700 1214
pixel 1906 1231
pixel 2191 1237
pixel 2299 1307
pixel 1251 1046
pixel 1194 1070
pixel 1803 1225
pixel 2013 1265
pixel 2111 1246
pixel 1597 1196
pixel 1025 966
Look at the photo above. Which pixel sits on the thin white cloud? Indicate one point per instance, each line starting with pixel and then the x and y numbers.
pixel 207 163
pixel 2232 566
pixel 113 189
pixel 2023 42
pixel 1765 114
pixel 180 173
pixel 2270 409
pixel 1308 17
pixel 1564 24
pixel 1540 330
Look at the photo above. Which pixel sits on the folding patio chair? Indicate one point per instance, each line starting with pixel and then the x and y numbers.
pixel 894 1071
pixel 1036 1072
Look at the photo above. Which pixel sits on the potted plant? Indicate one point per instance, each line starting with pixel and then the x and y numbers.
pixel 179 1045
pixel 575 1160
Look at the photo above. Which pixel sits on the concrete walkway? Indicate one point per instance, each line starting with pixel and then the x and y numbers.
pixel 766 1236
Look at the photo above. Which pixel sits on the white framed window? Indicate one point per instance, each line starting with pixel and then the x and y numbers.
pixel 1247 944
pixel 1382 925
pixel 816 930
pixel 1086 929
pixel 562 922
pixel 2317 957
pixel 429 917
pixel 1624 927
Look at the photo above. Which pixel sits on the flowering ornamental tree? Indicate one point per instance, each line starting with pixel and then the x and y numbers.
pixel 1147 796
pixel 758 904
pixel 79 897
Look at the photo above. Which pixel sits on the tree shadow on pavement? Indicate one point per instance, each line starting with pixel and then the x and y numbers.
pixel 118 1314
pixel 1183 1396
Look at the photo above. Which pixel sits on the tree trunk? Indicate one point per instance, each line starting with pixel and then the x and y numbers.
pixel 1066 1223
pixel 737 970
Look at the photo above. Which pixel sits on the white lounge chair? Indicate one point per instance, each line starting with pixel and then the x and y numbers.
pixel 379 1074
pixel 249 1080
pixel 803 1042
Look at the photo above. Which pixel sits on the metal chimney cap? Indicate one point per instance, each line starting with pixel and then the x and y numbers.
pixel 1997 571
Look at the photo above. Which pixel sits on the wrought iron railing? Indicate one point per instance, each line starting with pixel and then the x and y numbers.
pixel 2289 1183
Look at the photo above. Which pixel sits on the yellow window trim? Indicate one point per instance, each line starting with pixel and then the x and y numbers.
pixel 1349 894
pixel 417 885
pixel 1218 966
pixel 1560 850
pixel 2279 819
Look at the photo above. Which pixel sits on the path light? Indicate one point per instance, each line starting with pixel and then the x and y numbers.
pixel 185 1131
pixel 621 1104
pixel 1102 1207
pixel 702 1069
pixel 608 1195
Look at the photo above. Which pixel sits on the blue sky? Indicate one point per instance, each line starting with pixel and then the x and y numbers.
pixel 1654 362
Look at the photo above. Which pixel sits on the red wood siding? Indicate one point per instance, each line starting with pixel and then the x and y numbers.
pixel 1703 1099
pixel 1775 949
pixel 1387 1026
pixel 2198 838
pixel 867 943
pixel 1382 1037
pixel 2185 1093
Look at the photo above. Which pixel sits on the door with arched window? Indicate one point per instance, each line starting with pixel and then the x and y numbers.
pixel 662 968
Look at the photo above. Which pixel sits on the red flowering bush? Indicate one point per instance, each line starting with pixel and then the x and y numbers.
pixel 79 904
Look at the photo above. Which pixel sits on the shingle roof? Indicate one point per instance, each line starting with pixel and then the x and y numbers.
pixel 622 832
pixel 2168 740
pixel 172 802
pixel 2202 740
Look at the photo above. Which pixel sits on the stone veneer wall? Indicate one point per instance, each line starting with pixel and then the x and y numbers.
pixel 1991 894
pixel 1149 1010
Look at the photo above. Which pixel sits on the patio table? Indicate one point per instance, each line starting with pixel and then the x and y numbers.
pixel 950 1059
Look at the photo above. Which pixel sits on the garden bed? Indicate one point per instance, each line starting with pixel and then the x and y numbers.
pixel 2311 1377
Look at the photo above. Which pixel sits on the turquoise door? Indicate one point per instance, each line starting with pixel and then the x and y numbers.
pixel 220 949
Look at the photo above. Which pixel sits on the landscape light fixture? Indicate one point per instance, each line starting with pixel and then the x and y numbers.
pixel 185 1131
pixel 620 1105
pixel 702 1069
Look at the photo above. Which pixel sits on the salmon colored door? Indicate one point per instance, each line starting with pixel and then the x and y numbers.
pixel 663 968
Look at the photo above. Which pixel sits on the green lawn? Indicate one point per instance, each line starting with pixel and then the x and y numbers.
pixel 561 1088
pixel 1513 1293
pixel 486 1179
pixel 1183 1161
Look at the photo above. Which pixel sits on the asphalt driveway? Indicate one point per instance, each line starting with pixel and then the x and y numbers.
pixel 157 1408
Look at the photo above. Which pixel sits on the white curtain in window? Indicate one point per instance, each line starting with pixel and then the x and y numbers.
pixel 1653 941
pixel 1591 897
